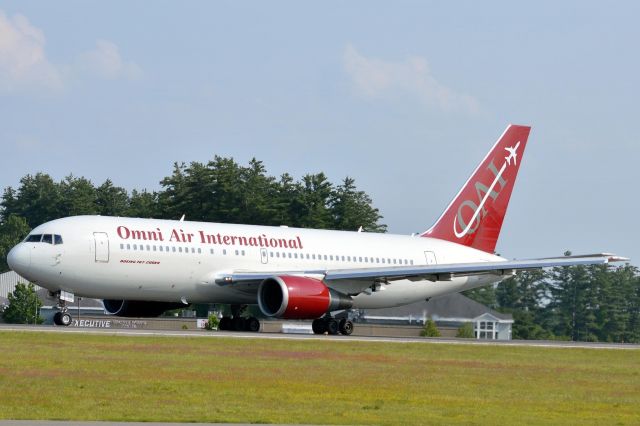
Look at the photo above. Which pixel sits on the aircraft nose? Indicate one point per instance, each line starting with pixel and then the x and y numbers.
pixel 19 258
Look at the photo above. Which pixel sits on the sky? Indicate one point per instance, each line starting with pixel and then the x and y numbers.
pixel 406 97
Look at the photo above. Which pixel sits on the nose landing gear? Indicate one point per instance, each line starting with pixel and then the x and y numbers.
pixel 63 317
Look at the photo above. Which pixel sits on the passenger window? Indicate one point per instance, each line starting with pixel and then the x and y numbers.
pixel 128 246
pixel 199 251
pixel 180 249
pixel 211 251
pixel 160 248
pixel 121 246
pixel 411 261
pixel 242 252
pixel 135 247
pixel 224 251
pixel 174 248
pixel 237 252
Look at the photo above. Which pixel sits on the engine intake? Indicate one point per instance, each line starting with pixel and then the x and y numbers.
pixel 293 297
pixel 137 308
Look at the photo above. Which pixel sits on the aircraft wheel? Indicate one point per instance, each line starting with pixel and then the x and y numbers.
pixel 56 318
pixel 332 326
pixel 346 327
pixel 239 324
pixel 65 319
pixel 318 326
pixel 225 324
pixel 253 325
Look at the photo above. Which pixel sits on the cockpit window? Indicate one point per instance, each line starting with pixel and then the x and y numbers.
pixel 47 238
pixel 57 239
pixel 33 238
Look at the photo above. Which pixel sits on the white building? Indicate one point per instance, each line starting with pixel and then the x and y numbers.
pixel 448 312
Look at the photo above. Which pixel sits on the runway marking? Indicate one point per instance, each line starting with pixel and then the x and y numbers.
pixel 281 336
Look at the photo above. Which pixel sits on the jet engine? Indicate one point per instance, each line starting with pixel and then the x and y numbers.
pixel 293 297
pixel 137 308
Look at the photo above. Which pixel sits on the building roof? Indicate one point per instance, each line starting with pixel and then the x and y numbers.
pixel 442 307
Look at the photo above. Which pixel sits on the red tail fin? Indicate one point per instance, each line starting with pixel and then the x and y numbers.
pixel 475 215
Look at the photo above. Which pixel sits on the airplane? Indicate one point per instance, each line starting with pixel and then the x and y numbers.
pixel 143 267
pixel 513 155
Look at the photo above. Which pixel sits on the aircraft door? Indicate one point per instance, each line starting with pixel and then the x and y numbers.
pixel 431 257
pixel 264 256
pixel 101 240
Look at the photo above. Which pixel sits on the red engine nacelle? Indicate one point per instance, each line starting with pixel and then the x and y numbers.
pixel 293 297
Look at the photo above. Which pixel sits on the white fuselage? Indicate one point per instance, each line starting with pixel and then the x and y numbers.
pixel 173 261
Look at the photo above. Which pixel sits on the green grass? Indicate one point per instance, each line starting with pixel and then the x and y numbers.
pixel 120 378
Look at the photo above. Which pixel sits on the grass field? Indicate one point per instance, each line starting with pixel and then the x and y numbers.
pixel 120 378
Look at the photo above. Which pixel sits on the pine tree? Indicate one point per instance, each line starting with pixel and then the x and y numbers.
pixel 111 200
pixel 430 329
pixel 352 209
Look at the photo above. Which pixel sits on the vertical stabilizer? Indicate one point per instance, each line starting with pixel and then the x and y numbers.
pixel 474 217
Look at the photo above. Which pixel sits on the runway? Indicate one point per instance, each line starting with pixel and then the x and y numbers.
pixel 245 335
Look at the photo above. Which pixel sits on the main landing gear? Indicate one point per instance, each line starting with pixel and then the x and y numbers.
pixel 236 322
pixel 332 326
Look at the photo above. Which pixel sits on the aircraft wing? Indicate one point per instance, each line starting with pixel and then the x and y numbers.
pixel 355 280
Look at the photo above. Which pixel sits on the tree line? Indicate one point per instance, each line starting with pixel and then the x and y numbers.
pixel 220 190
pixel 579 303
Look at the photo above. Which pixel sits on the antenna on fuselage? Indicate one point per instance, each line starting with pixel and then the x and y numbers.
pixel 360 229
pixel 182 218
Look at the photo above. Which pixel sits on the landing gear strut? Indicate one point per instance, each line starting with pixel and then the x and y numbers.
pixel 331 326
pixel 236 322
